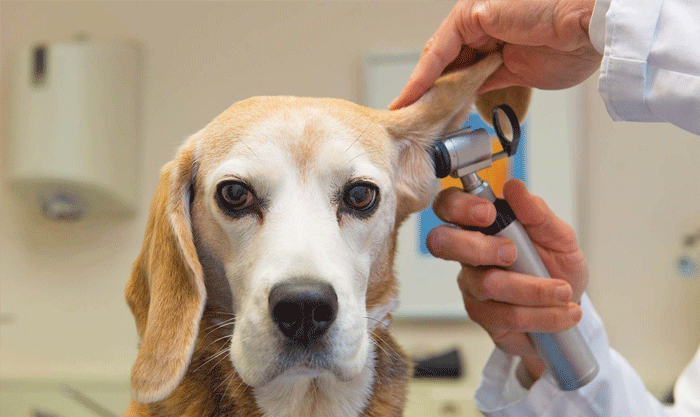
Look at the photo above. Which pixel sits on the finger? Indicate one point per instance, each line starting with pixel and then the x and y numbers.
pixel 540 222
pixel 502 78
pixel 534 66
pixel 465 58
pixel 437 53
pixel 518 22
pixel 472 248
pixel 501 317
pixel 514 288
pixel 440 50
pixel 517 344
pixel 455 206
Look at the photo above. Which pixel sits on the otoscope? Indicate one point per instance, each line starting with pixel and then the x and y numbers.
pixel 461 154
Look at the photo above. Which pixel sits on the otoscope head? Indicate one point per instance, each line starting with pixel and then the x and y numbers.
pixel 441 157
pixel 466 151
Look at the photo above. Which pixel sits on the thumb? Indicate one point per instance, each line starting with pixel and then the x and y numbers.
pixel 502 78
pixel 540 222
pixel 529 209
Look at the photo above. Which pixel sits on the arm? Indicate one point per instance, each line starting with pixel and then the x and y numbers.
pixel 616 391
pixel 650 70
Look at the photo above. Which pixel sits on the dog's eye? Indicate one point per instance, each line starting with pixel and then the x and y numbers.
pixel 361 197
pixel 234 196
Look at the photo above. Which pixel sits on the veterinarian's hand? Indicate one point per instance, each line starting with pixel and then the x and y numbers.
pixel 508 304
pixel 545 44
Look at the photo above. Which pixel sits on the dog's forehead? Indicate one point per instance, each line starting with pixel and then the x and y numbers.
pixel 305 129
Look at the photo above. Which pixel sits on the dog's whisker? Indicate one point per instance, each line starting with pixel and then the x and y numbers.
pixel 380 338
pixel 381 348
pixel 211 358
pixel 224 382
pixel 389 346
pixel 223 357
pixel 371 122
pixel 385 326
pixel 216 326
pixel 219 323
pixel 357 156
pixel 235 391
pixel 250 149
pixel 228 336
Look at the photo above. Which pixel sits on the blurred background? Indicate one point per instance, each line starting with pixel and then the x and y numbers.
pixel 63 316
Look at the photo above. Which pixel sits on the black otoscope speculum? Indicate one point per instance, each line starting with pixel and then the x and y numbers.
pixel 462 154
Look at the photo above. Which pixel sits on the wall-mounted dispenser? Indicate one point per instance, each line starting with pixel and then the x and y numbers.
pixel 688 262
pixel 74 109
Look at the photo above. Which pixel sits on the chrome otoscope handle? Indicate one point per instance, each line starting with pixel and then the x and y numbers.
pixel 566 354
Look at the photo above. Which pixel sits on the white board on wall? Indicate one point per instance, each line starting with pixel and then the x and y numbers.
pixel 429 285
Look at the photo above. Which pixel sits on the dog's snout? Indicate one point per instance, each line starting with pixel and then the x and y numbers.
pixel 303 309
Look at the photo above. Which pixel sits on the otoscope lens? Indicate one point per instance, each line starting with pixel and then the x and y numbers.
pixel 500 119
pixel 507 127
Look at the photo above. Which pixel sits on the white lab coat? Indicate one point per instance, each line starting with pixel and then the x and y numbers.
pixel 650 72
pixel 617 391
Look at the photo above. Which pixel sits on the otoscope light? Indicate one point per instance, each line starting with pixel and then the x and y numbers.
pixel 466 151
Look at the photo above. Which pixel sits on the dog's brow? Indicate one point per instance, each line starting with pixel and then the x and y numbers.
pixel 371 122
pixel 242 142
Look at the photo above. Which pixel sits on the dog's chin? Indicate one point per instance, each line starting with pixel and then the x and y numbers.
pixel 308 368
pixel 302 364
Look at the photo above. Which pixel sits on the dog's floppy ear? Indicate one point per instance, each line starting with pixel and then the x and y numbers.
pixel 444 108
pixel 166 291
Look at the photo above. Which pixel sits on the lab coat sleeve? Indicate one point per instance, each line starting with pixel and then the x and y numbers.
pixel 650 70
pixel 616 391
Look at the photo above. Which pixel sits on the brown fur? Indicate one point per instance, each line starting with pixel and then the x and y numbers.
pixel 178 292
pixel 212 388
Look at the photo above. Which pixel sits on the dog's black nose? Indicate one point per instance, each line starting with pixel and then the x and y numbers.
pixel 303 309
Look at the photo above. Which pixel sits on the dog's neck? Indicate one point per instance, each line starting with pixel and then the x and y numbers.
pixel 323 395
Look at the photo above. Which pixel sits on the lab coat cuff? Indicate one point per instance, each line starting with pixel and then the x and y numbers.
pixel 629 36
pixel 622 86
pixel 500 393
pixel 596 27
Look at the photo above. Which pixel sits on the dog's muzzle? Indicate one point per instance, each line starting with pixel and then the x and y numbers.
pixel 303 309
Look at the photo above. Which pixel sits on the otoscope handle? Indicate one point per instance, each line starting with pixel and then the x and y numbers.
pixel 566 354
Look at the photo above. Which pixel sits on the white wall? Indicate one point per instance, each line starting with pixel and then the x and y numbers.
pixel 641 197
pixel 63 283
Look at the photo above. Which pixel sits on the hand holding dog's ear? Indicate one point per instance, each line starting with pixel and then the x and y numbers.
pixel 545 44
pixel 443 109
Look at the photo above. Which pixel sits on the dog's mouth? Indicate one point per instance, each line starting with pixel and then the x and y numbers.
pixel 298 360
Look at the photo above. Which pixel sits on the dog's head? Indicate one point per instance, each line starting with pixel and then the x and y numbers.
pixel 281 215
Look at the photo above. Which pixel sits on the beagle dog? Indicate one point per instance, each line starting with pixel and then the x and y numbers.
pixel 265 283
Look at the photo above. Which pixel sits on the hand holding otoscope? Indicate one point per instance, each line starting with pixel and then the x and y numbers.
pixel 462 154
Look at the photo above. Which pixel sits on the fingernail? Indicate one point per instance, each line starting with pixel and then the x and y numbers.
pixel 392 105
pixel 435 242
pixel 563 293
pixel 508 253
pixel 480 213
